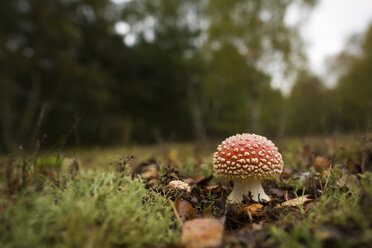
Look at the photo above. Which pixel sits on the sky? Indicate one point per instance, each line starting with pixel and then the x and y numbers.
pixel 329 26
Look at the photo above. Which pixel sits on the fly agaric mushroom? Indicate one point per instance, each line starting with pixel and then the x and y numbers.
pixel 178 184
pixel 247 159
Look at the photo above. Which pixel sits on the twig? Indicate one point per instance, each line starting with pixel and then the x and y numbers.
pixel 35 135
pixel 327 179
pixel 175 212
pixel 250 216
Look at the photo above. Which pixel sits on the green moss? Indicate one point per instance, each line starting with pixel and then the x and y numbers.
pixel 92 211
pixel 48 162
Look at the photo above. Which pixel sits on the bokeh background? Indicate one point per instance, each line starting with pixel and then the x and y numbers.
pixel 150 71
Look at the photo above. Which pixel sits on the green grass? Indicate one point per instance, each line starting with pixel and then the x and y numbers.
pixel 95 210
pixel 338 221
pixel 45 205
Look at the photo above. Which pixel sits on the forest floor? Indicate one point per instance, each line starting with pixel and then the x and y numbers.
pixel 120 197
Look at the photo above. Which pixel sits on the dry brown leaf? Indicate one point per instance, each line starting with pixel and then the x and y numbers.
pixel 287 172
pixel 185 210
pixel 295 202
pixel 149 172
pixel 254 209
pixel 194 179
pixel 198 179
pixel 347 180
pixel 153 183
pixel 321 162
pixel 211 189
pixel 202 233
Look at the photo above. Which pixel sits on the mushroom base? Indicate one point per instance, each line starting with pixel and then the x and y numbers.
pixel 244 187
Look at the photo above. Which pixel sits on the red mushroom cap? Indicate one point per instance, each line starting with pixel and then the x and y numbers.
pixel 247 156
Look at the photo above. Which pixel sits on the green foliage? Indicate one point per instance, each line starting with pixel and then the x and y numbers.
pixel 196 69
pixel 173 77
pixel 354 90
pixel 245 39
pixel 309 107
pixel 92 211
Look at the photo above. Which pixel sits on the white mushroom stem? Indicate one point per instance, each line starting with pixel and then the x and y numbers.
pixel 244 187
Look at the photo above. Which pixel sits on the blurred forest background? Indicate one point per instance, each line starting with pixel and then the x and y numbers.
pixel 185 70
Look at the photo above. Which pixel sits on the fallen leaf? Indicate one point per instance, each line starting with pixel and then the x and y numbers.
pixel 287 172
pixel 254 209
pixel 211 189
pixel 347 180
pixel 173 175
pixel 185 210
pixel 199 180
pixel 194 179
pixel 202 233
pixel 149 172
pixel 321 162
pixel 152 183
pixel 295 202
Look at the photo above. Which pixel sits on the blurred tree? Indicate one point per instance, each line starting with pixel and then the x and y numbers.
pixel 354 88
pixel 248 39
pixel 309 107
pixel 184 68
pixel 55 52
pixel 166 34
